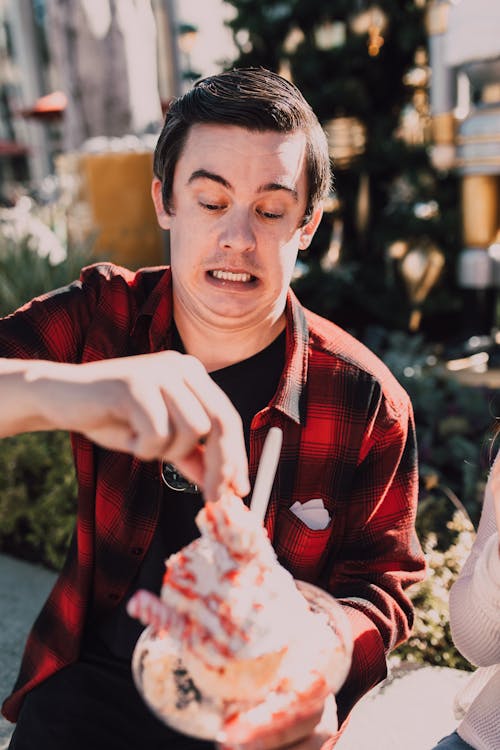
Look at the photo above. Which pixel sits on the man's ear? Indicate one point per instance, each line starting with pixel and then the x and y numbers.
pixel 156 194
pixel 308 230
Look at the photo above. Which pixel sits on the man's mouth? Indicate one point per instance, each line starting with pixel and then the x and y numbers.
pixel 240 277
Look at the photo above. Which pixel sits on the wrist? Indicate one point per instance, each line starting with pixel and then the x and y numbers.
pixel 45 393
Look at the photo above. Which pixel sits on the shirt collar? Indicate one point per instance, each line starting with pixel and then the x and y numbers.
pixel 290 395
pixel 158 306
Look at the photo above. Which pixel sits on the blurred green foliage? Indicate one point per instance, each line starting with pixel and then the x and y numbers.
pixel 454 429
pixel 25 274
pixel 37 497
pixel 431 641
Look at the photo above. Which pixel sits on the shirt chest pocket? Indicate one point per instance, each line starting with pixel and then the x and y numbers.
pixel 300 550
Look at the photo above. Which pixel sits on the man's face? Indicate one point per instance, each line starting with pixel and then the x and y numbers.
pixel 238 199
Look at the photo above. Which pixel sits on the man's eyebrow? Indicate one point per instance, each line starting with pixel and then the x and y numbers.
pixel 204 174
pixel 275 186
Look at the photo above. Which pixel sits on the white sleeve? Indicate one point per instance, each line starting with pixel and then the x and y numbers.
pixel 475 595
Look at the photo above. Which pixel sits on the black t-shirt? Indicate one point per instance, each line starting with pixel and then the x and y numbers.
pixel 250 385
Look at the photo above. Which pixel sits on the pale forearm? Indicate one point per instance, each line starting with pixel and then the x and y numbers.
pixel 475 595
pixel 26 386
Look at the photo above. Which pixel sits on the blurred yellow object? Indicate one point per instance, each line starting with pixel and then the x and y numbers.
pixel 116 188
pixel 480 209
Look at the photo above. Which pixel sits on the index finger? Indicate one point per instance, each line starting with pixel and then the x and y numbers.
pixel 222 461
pixel 224 453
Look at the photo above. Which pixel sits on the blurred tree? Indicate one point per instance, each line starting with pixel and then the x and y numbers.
pixel 385 252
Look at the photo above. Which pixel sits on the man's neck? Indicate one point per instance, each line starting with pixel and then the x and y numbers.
pixel 220 348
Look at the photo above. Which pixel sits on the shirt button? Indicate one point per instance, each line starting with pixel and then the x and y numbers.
pixel 137 550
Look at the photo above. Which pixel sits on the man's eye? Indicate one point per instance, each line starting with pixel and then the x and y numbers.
pixel 211 206
pixel 270 215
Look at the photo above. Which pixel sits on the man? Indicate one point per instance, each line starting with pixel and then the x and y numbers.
pixel 122 360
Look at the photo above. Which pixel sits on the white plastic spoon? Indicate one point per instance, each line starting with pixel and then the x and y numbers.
pixel 266 472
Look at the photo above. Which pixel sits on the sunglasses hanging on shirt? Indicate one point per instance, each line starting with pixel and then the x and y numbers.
pixel 176 481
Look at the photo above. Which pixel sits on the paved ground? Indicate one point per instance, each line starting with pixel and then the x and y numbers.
pixel 410 710
pixel 23 588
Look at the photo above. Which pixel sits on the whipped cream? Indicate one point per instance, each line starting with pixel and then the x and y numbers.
pixel 229 590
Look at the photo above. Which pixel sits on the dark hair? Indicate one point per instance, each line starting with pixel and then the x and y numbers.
pixel 252 98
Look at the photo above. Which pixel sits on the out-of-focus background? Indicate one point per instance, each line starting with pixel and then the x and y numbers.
pixel 407 256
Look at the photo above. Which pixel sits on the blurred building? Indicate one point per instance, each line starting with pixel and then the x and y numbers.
pixel 464 45
pixel 206 44
pixel 113 61
pixel 83 86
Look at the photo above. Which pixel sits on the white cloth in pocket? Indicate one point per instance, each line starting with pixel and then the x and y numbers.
pixel 313 513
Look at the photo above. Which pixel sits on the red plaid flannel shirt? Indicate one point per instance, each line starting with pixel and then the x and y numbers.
pixel 348 439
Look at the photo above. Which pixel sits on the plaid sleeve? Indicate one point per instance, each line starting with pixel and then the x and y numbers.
pixel 49 327
pixel 380 555
pixel 93 313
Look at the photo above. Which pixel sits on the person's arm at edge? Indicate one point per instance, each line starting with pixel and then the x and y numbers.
pixel 475 595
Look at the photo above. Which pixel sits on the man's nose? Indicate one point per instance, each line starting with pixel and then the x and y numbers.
pixel 237 232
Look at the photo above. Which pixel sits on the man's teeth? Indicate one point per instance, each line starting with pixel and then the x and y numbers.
pixel 229 276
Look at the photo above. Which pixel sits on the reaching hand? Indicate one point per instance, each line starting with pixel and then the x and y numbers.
pixel 156 406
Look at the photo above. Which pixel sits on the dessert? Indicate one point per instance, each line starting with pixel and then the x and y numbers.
pixel 233 629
